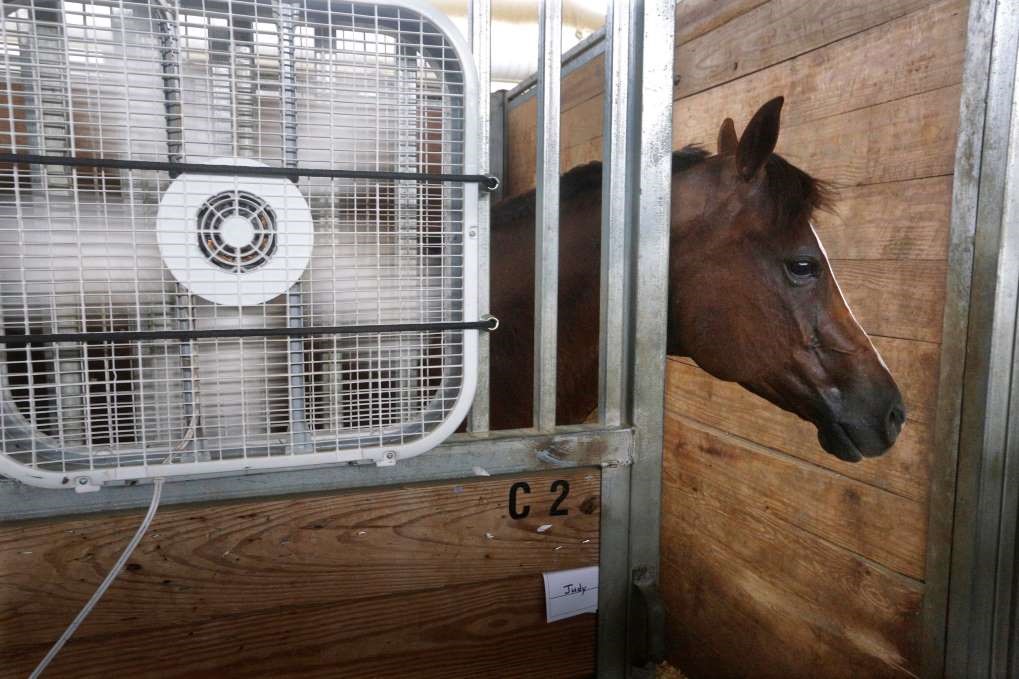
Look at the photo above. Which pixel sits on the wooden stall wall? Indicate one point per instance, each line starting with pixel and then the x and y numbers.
pixel 422 581
pixel 778 559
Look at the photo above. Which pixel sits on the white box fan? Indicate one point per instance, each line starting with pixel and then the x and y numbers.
pixel 233 236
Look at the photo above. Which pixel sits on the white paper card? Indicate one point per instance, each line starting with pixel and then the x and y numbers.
pixel 570 593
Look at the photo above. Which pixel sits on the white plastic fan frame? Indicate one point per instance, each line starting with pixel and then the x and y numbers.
pixel 94 479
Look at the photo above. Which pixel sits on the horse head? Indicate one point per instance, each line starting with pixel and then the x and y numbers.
pixel 753 299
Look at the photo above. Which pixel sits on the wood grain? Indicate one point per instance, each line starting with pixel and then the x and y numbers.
pixel 203 565
pixel 488 629
pixel 773 32
pixel 902 299
pixel 750 595
pixel 695 18
pixel 581 106
pixel 916 53
pixel 905 139
pixel 830 130
pixel 893 221
pixel 763 554
pixel 692 393
pixel 879 526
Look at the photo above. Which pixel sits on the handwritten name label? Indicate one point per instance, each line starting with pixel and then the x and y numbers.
pixel 570 593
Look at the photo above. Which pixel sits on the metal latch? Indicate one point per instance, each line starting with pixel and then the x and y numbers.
pixel 647 620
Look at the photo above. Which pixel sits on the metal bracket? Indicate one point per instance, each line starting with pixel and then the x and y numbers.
pixel 647 620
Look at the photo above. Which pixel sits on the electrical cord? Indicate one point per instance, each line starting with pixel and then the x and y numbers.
pixel 110 577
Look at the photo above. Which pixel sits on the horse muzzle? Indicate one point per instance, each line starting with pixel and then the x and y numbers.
pixel 851 438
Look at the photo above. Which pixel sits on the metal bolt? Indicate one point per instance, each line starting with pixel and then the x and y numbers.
pixel 390 455
pixel 82 480
pixel 472 233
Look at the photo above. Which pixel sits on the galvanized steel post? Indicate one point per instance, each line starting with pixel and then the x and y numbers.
pixel 479 15
pixel 546 242
pixel 651 285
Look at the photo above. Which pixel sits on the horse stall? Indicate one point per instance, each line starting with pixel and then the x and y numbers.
pixel 376 251
pixel 777 558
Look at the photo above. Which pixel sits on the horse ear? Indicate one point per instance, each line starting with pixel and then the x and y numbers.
pixel 727 140
pixel 759 139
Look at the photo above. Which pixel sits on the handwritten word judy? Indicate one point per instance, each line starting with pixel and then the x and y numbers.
pixel 570 592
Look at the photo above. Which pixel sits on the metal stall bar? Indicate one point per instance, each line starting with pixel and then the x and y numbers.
pixel 636 217
pixel 621 134
pixel 980 606
pixel 479 16
pixel 650 300
pixel 965 601
pixel 546 239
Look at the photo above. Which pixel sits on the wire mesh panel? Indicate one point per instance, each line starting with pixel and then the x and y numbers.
pixel 211 321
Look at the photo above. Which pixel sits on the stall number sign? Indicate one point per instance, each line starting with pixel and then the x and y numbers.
pixel 567 593
pixel 570 593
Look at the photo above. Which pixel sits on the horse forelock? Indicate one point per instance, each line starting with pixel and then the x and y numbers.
pixel 796 194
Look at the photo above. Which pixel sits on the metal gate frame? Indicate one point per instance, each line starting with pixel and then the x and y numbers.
pixel 626 444
pixel 971 599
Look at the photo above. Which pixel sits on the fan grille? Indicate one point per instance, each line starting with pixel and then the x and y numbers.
pixel 311 83
pixel 237 231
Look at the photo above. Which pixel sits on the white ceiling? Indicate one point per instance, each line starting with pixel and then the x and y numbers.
pixel 515 29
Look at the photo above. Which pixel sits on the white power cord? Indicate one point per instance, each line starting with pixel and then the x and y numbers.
pixel 110 577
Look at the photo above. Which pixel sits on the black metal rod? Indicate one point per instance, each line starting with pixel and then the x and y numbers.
pixel 185 335
pixel 489 182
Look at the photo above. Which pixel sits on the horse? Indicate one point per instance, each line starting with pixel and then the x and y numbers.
pixel 752 298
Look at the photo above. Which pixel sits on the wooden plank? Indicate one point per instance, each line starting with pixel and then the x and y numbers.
pixel 581 128
pixel 773 32
pixel 905 139
pixel 917 53
pixel 692 393
pixel 203 562
pixel 582 114
pixel 892 221
pixel 583 84
pixel 902 299
pixel 915 368
pixel 877 525
pixel 488 629
pixel 749 595
pixel 695 18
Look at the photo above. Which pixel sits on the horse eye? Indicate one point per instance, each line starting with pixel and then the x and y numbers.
pixel 803 268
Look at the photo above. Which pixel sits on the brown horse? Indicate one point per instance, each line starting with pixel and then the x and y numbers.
pixel 752 298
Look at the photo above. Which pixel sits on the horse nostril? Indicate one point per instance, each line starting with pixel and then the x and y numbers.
pixel 896 418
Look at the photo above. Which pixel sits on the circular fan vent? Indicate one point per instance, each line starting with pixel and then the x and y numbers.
pixel 237 231
pixel 234 240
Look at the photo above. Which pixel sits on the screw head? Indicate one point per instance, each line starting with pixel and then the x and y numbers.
pixel 390 455
pixel 472 233
pixel 82 480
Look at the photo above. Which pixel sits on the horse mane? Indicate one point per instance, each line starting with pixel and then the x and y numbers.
pixel 796 192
